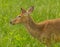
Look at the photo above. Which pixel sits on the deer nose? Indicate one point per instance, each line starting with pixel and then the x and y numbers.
pixel 10 22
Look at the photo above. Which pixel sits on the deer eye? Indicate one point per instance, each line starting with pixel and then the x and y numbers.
pixel 18 16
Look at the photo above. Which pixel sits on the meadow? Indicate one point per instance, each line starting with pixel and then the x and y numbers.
pixel 16 35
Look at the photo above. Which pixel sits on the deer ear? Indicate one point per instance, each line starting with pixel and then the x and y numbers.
pixel 23 10
pixel 30 9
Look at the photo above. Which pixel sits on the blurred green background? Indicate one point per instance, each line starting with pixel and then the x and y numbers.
pixel 16 35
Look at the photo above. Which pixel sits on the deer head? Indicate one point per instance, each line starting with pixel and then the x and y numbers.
pixel 23 17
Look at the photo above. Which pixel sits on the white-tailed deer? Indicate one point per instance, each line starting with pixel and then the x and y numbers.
pixel 46 32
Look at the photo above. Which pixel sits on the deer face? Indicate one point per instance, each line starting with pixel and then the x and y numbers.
pixel 23 17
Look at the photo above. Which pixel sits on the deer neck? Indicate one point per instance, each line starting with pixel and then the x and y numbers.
pixel 30 24
pixel 33 28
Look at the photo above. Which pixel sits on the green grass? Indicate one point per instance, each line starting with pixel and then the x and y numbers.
pixel 17 36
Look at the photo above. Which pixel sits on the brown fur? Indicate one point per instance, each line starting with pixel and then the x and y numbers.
pixel 47 31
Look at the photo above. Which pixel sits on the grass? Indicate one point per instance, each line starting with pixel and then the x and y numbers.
pixel 17 36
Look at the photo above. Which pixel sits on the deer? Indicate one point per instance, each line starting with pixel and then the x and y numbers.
pixel 47 31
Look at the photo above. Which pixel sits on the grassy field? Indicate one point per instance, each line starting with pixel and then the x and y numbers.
pixel 16 35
